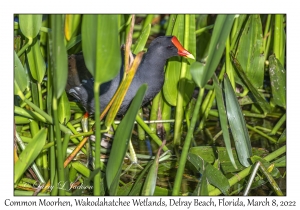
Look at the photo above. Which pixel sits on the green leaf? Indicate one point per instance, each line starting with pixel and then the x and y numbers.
pixel 64 112
pixel 279 38
pixel 150 182
pixel 220 33
pixel 30 153
pixel 264 105
pixel 72 25
pixel 81 168
pixel 278 81
pixel 142 40
pixel 208 154
pixel 197 72
pixel 250 51
pixel 30 25
pixel 205 152
pixel 20 75
pixel 237 124
pixel 271 169
pixel 214 176
pixel 223 119
pixel 173 69
pixel 202 186
pixel 100 46
pixel 58 55
pixel 36 61
pixel 121 141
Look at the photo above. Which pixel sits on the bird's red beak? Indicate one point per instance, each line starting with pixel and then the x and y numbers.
pixel 181 51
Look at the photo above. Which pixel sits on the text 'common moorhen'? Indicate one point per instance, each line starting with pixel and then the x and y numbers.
pixel 150 71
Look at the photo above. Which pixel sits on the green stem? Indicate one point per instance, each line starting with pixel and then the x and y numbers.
pixel 278 124
pixel 21 51
pixel 267 29
pixel 97 178
pixel 262 134
pixel 41 112
pixel 152 135
pixel 228 65
pixel 59 152
pixel 207 109
pixel 40 97
pixel 179 105
pixel 201 30
pixel 186 146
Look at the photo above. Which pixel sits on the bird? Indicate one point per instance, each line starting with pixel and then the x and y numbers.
pixel 150 71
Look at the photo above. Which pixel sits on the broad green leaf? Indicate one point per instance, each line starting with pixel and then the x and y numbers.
pixel 160 191
pixel 197 72
pixel 30 153
pixel 121 141
pixel 58 55
pixel 72 25
pixel 150 182
pixel 226 164
pixel 174 65
pixel 205 152
pixel 36 61
pixel 137 187
pixel 220 33
pixel 214 176
pixel 223 119
pixel 100 46
pixel 203 42
pixel 237 29
pixel 30 25
pixel 237 124
pixel 64 112
pixel 278 81
pixel 264 105
pixel 208 154
pixel 202 186
pixel 250 51
pixel 141 42
pixel 20 75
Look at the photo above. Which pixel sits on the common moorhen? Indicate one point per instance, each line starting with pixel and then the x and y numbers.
pixel 150 71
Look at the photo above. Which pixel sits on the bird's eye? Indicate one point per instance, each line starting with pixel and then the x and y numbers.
pixel 169 47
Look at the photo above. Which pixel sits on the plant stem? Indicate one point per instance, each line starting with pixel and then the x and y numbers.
pixel 179 104
pixel 278 124
pixel 59 152
pixel 97 178
pixel 186 146
pixel 152 135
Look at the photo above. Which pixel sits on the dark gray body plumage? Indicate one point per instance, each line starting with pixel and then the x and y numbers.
pixel 150 71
